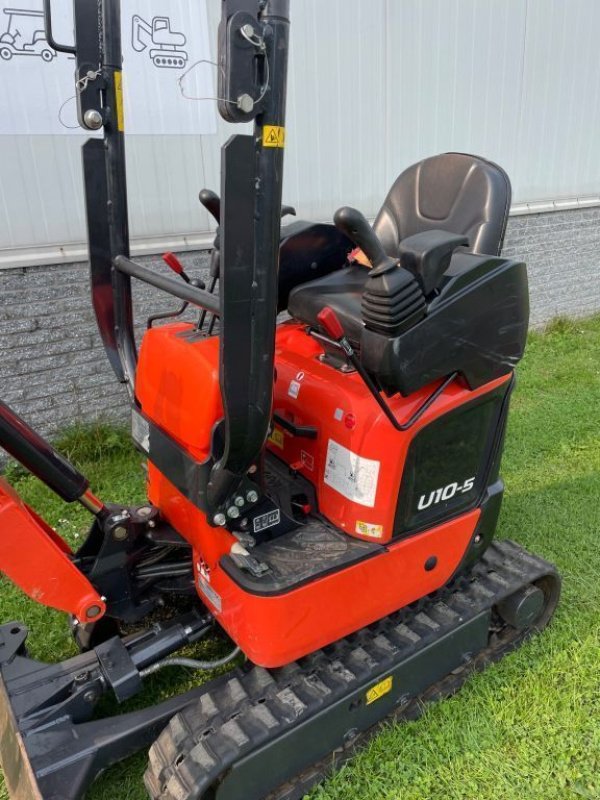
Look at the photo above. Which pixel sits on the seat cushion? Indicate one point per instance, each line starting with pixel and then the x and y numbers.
pixel 341 290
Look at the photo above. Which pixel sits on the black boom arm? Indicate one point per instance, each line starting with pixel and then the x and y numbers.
pixel 253 53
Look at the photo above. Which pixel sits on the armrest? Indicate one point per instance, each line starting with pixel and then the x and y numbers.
pixel 427 255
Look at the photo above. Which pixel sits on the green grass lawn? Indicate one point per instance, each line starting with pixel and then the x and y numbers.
pixel 528 727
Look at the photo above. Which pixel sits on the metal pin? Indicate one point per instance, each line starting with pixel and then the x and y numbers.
pixel 92 119
pixel 245 103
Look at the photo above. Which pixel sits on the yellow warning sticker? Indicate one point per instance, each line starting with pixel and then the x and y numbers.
pixel 277 437
pixel 369 529
pixel 377 691
pixel 273 136
pixel 119 99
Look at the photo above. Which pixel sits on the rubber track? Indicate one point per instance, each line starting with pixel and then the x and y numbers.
pixel 251 707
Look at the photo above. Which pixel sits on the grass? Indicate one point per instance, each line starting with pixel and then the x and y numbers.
pixel 528 727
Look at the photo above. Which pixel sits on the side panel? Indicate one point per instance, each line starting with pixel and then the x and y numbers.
pixel 177 384
pixel 275 630
pixel 358 459
pixel 448 463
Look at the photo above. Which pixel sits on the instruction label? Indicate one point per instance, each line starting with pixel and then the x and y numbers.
pixel 209 592
pixel 351 475
pixel 140 431
pixel 267 520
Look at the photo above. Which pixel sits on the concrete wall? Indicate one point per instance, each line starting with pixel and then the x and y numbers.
pixel 54 372
pixel 53 368
pixel 562 253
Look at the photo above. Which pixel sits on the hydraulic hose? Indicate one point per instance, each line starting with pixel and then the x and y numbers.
pixel 192 663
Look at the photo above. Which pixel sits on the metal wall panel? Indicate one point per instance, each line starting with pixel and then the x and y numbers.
pixel 559 131
pixel 374 86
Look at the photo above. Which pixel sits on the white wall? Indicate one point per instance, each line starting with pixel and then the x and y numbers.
pixel 374 86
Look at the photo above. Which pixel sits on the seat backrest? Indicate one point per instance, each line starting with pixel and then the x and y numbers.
pixel 455 192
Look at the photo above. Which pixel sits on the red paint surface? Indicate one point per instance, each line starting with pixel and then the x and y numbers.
pixel 36 559
pixel 273 631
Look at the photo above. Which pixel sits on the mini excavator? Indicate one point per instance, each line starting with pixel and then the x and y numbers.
pixel 323 489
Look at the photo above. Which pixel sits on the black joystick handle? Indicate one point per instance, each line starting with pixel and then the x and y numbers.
pixel 212 203
pixel 351 222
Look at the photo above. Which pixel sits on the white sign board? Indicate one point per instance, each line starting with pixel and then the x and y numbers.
pixel 165 54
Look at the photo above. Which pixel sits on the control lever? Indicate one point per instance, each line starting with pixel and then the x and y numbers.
pixel 175 264
pixel 212 203
pixel 352 223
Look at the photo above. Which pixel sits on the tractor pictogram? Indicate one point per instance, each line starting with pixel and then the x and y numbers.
pixel 25 35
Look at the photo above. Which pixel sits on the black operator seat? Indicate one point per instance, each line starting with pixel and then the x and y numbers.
pixel 439 298
pixel 453 192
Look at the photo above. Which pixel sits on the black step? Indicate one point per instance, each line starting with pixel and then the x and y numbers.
pixel 299 556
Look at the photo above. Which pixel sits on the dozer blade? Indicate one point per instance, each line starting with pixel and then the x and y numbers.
pixel 18 774
pixel 258 733
pixel 51 746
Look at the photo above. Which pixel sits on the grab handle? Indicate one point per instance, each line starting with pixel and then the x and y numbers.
pixel 61 48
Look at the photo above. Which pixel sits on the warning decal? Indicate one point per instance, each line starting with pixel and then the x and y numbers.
pixel 273 136
pixel 119 100
pixel 277 438
pixel 377 691
pixel 369 529
pixel 350 475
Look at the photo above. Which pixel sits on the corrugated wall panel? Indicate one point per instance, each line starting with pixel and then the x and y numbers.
pixel 374 86
pixel 454 82
pixel 559 146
